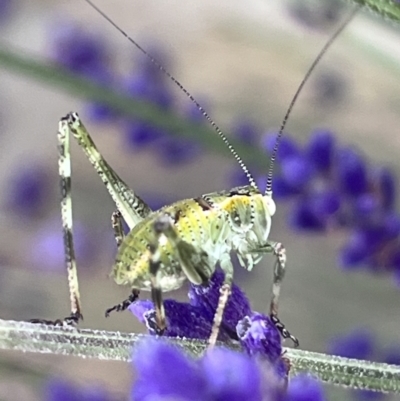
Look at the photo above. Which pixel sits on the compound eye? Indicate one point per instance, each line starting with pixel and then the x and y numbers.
pixel 270 205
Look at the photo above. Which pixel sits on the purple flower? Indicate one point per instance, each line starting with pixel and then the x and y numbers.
pixel 320 149
pixel 145 87
pixel 191 111
pixel 391 354
pixel 361 344
pixel 358 344
pixel 351 172
pixel 176 151
pixel 259 336
pixel 385 183
pixel 206 298
pixel 246 132
pixel 231 376
pixel 139 135
pixel 256 332
pixel 287 146
pixel 60 390
pixel 6 10
pixel 47 248
pixel 296 171
pixel 28 189
pixel 183 320
pixel 303 217
pixel 96 111
pixel 77 49
pixel 304 388
pixel 164 372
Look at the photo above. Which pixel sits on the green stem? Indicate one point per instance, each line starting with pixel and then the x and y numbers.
pixel 389 9
pixel 105 345
pixel 54 75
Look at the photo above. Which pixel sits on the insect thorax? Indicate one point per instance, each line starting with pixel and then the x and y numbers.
pixel 218 223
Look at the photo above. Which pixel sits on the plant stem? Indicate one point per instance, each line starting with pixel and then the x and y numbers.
pixel 105 345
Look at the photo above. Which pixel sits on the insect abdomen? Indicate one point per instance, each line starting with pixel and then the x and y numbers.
pixel 195 224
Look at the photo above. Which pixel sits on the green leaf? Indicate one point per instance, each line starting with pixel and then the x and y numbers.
pixel 389 9
pixel 56 76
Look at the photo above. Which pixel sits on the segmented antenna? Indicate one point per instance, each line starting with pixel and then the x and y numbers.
pixel 268 189
pixel 182 88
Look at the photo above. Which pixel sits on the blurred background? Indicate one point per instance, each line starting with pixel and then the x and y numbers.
pixel 335 186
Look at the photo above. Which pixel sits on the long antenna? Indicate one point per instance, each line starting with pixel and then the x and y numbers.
pixel 268 189
pixel 185 91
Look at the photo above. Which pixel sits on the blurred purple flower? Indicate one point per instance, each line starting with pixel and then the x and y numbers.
pixel 287 146
pixel 6 10
pixel 391 354
pixel 145 87
pixel 139 135
pixel 303 217
pixel 359 344
pixel 61 390
pixel 351 172
pixel 220 375
pixel 77 49
pixel 191 111
pixel 246 132
pixel 173 151
pixel 334 187
pixel 304 388
pixel 296 171
pixel 47 248
pixel 320 149
pixel 385 182
pixel 28 190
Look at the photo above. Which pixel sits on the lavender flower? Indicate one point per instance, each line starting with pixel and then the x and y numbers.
pixel 358 343
pixel 6 10
pixel 164 373
pixel 334 187
pixel 304 388
pixel 77 49
pixel 60 390
pixel 47 248
pixel 256 332
pixel 27 192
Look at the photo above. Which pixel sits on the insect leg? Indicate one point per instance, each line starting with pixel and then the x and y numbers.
pixel 193 262
pixel 225 292
pixel 64 165
pixel 116 222
pixel 124 304
pixel 156 292
pixel 279 272
pixel 131 206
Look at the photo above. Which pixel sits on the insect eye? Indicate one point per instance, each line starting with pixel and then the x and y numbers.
pixel 270 204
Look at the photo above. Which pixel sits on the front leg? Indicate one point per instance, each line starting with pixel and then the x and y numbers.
pixel 279 252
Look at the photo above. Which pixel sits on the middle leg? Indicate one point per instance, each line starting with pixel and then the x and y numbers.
pixel 116 222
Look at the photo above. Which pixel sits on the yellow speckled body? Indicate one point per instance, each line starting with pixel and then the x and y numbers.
pixel 238 220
